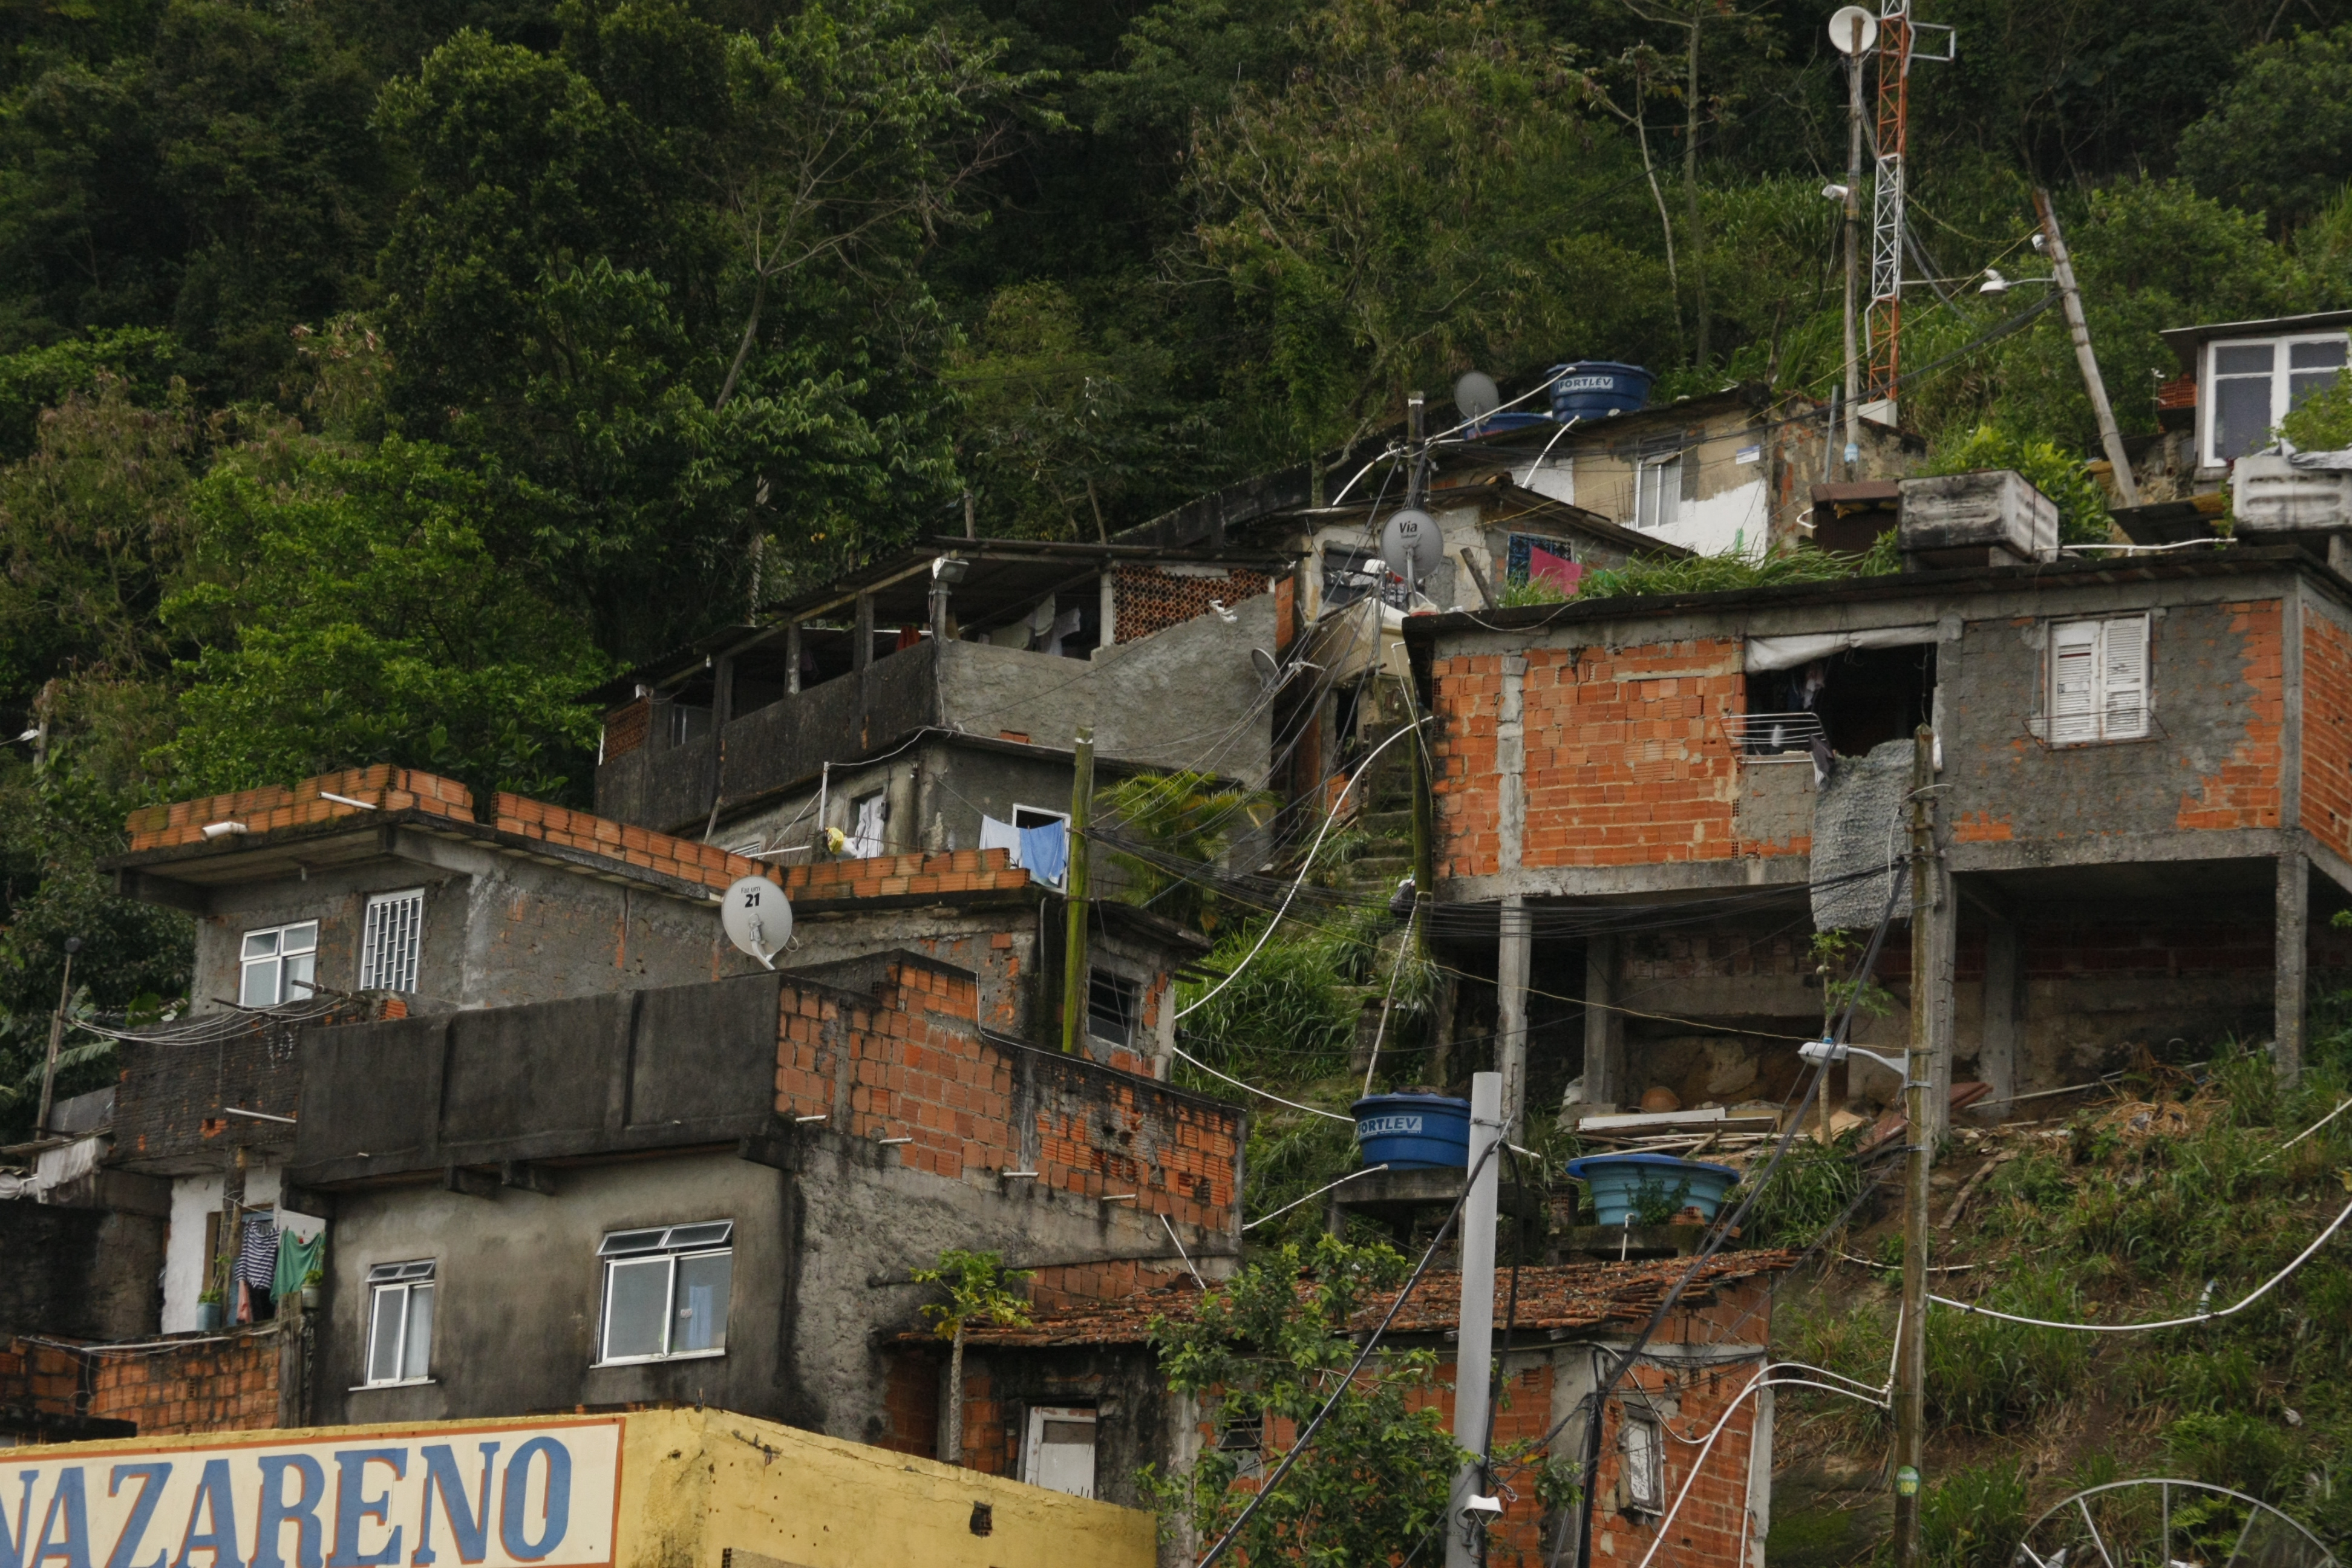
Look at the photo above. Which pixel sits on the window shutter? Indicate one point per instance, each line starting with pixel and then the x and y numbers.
pixel 2074 683
pixel 2124 679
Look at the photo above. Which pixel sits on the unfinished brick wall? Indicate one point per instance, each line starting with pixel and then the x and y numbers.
pixel 1626 757
pixel 40 1379
pixel 910 1401
pixel 626 729
pixel 2327 731
pixel 2246 791
pixel 912 1063
pixel 208 1385
pixel 680 858
pixel 267 810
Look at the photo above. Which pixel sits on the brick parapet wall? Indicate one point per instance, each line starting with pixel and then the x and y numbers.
pixel 913 1064
pixel 2327 731
pixel 206 1386
pixel 45 1378
pixel 1150 599
pixel 267 810
pixel 672 857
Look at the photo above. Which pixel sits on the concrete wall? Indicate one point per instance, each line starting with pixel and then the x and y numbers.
pixel 79 1273
pixel 1135 1415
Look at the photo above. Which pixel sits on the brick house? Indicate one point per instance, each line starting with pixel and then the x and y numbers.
pixel 1085 1378
pixel 2143 793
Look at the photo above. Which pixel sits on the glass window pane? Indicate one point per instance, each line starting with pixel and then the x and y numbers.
pixel 303 938
pixel 2300 387
pixel 418 1355
pixel 630 1241
pixel 636 1295
pixel 683 1236
pixel 383 1334
pixel 2242 417
pixel 260 943
pixel 2316 356
pixel 301 969
pixel 701 1309
pixel 2248 359
pixel 258 987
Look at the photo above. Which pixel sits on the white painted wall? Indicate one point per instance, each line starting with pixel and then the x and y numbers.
pixel 194 1198
pixel 1736 518
pixel 1554 477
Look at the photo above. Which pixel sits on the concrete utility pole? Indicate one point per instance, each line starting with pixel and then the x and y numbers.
pixel 1853 247
pixel 57 1039
pixel 1475 1349
pixel 1074 950
pixel 1911 1338
pixel 2071 298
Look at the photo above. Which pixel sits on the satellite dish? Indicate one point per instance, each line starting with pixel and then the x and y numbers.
pixel 1268 670
pixel 1412 544
pixel 1475 395
pixel 1843 22
pixel 2142 1521
pixel 758 917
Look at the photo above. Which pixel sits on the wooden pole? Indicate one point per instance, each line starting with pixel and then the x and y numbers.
pixel 1074 950
pixel 2071 298
pixel 1911 1345
pixel 1853 242
pixel 56 1040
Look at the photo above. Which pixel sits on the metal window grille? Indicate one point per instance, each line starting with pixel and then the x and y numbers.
pixel 1773 737
pixel 388 942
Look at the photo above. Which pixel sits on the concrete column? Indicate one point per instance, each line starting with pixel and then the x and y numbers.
pixel 1512 955
pixel 1574 1380
pixel 1511 771
pixel 1604 1028
pixel 2004 1013
pixel 862 654
pixel 792 659
pixel 2293 963
pixel 1109 606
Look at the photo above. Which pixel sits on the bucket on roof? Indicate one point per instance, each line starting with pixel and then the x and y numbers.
pixel 1596 388
pixel 1413 1132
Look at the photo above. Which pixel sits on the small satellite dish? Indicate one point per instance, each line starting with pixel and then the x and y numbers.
pixel 1475 395
pixel 1412 544
pixel 758 917
pixel 1843 22
pixel 1268 669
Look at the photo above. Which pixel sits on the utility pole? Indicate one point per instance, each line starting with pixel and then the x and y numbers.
pixel 1465 1535
pixel 1073 949
pixel 2071 298
pixel 1852 242
pixel 1911 1335
pixel 56 1039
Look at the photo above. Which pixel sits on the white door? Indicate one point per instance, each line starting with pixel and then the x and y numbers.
pixel 1061 1449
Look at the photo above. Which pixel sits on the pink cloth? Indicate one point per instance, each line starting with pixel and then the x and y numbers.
pixel 1543 565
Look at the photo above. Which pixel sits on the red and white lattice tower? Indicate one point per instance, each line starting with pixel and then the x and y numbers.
pixel 1884 336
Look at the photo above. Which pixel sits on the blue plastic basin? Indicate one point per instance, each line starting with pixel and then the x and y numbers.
pixel 1596 388
pixel 1413 1132
pixel 1618 1182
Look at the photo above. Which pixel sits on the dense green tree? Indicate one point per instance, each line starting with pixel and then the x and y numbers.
pixel 2280 140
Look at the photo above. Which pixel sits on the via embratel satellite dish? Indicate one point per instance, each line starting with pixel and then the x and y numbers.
pixel 1843 22
pixel 1414 545
pixel 1475 395
pixel 757 917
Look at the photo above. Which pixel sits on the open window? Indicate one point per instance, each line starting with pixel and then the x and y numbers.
pixel 870 815
pixel 1843 693
pixel 1640 1442
pixel 1113 1004
pixel 400 1323
pixel 1060 1452
pixel 665 1291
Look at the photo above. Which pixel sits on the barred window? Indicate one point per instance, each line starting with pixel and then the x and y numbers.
pixel 389 940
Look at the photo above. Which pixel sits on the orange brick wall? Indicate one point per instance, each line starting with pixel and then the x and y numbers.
pixel 2246 792
pixel 1626 759
pixel 267 810
pixel 2327 731
pixel 44 1378
pixel 910 1401
pixel 204 1385
pixel 914 1065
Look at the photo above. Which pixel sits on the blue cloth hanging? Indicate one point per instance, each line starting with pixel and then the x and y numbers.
pixel 1045 852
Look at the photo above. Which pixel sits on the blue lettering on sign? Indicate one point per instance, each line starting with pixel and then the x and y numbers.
pixel 14 1544
pixel 352 1504
pixel 72 1547
pixel 556 1511
pixel 151 1480
pixel 277 1513
pixel 472 1526
pixel 1389 1127
pixel 212 1495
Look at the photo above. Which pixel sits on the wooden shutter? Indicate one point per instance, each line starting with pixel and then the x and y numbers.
pixel 2074 682
pixel 2122 678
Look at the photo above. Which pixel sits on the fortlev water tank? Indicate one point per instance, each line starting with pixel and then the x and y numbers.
pixel 1596 388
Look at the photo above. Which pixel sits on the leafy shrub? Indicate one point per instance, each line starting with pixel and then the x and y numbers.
pixel 1812 1187
pixel 2232 1448
pixel 1986 1374
pixel 2083 517
pixel 1974 1517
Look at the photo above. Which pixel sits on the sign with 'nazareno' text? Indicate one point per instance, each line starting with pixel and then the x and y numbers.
pixel 494 1496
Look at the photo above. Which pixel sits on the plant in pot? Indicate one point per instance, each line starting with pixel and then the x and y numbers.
pixel 208 1312
pixel 312 1283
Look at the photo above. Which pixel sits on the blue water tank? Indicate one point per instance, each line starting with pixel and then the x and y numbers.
pixel 1413 1132
pixel 1596 388
pixel 1621 1182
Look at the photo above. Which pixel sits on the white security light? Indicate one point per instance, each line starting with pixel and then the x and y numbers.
pixel 1835 193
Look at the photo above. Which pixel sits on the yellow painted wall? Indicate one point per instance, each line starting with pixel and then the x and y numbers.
pixel 691 1484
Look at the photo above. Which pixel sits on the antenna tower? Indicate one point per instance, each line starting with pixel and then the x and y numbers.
pixel 1884 333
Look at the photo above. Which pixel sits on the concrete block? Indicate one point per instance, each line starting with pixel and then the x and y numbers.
pixel 2270 495
pixel 1988 509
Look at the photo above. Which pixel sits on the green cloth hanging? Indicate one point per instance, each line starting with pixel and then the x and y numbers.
pixel 296 1258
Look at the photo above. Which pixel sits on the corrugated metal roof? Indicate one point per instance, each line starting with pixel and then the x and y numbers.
pixel 1560 1296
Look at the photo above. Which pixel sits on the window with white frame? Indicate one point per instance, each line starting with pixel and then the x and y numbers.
pixel 665 1291
pixel 400 1322
pixel 2098 681
pixel 869 813
pixel 1112 1002
pixel 277 964
pixel 1658 490
pixel 389 939
pixel 2252 384
pixel 1641 1446
pixel 1060 1453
